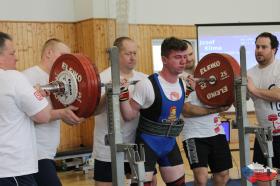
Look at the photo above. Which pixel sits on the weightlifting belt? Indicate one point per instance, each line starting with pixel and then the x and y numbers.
pixel 172 129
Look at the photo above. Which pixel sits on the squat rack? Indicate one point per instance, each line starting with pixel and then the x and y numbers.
pixel 263 134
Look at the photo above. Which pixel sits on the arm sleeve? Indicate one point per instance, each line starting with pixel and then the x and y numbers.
pixel 144 93
pixel 28 99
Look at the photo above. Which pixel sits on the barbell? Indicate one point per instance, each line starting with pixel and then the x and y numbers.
pixel 74 80
pixel 77 83
pixel 220 72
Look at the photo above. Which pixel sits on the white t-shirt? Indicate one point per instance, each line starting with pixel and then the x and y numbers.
pixel 19 101
pixel 47 134
pixel 185 74
pixel 266 78
pixel 145 96
pixel 203 126
pixel 102 152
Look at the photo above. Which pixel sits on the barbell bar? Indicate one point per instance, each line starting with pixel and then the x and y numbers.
pixel 59 87
pixel 74 80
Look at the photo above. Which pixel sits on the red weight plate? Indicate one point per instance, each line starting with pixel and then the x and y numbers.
pixel 94 84
pixel 223 69
pixel 87 78
pixel 94 91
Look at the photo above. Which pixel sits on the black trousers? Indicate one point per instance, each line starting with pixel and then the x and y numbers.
pixel 47 175
pixel 25 180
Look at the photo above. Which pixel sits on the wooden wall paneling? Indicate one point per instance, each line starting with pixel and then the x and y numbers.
pixel 2 27
pixel 111 32
pixel 104 35
pixel 143 35
pixel 78 36
pixel 59 31
pixel 186 32
pixel 147 49
pixel 84 41
pixel 8 28
pixel 100 44
pixel 84 37
pixel 29 38
pixel 35 46
pixel 70 137
pixel 93 38
pixel 12 29
pixel 87 132
pixel 19 33
pixel 30 49
pixel 70 36
pixel 64 137
pixel 88 39
pixel 41 34
pixel 84 31
pixel 159 31
pixel 25 44
pixel 139 36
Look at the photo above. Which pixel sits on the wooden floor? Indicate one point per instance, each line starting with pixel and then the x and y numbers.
pixel 78 178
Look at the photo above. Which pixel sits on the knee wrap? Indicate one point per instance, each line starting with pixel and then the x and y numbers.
pixel 178 182
pixel 148 183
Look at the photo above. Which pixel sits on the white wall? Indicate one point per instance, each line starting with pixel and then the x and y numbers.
pixel 85 9
pixel 188 12
pixel 37 10
pixel 185 12
pixel 204 11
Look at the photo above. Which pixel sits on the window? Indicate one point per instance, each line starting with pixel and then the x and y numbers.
pixel 156 44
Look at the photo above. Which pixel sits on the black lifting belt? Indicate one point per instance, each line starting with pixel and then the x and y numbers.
pixel 171 129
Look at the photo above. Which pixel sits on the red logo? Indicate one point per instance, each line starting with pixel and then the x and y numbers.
pixel 174 96
pixel 38 95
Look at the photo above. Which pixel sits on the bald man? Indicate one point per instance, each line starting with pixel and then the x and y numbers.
pixel 48 134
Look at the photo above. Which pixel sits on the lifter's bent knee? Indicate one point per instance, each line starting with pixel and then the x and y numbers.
pixel 221 178
pixel 178 182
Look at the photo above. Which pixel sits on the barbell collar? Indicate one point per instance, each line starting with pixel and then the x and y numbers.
pixel 211 80
pixel 129 83
pixel 57 87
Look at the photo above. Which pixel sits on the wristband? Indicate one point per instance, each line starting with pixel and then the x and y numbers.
pixel 124 94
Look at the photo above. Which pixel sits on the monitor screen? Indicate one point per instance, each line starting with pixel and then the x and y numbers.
pixel 226 126
pixel 227 38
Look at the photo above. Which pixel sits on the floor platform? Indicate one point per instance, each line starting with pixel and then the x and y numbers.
pixel 78 158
